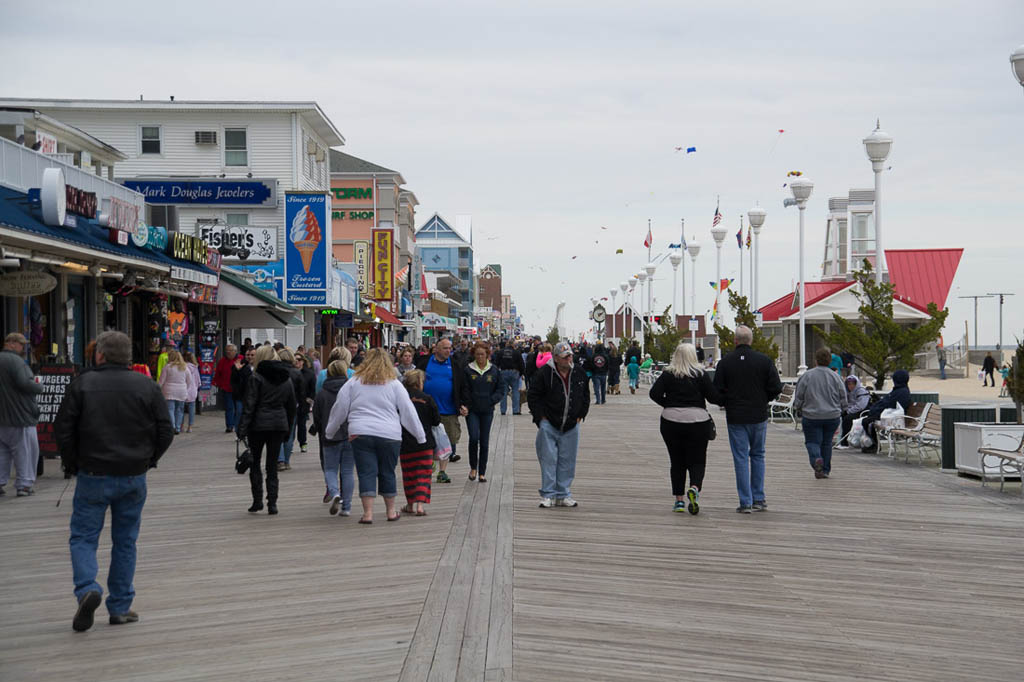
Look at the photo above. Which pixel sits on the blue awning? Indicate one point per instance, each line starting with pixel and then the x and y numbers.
pixel 15 213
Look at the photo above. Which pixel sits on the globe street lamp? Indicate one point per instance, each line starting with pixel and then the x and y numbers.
pixel 642 277
pixel 675 259
pixel 693 248
pixel 613 293
pixel 801 188
pixel 624 287
pixel 649 269
pixel 718 233
pixel 756 217
pixel 1017 63
pixel 877 145
pixel 633 281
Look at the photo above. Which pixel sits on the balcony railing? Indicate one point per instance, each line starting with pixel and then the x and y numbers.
pixel 22 168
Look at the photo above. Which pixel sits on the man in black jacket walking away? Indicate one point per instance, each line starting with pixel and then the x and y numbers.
pixel 559 399
pixel 510 364
pixel 112 427
pixel 747 381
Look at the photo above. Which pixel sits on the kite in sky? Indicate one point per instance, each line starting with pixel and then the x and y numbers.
pixel 776 142
pixel 689 150
pixel 618 251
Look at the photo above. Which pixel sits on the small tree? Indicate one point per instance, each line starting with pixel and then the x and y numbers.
pixel 553 336
pixel 727 337
pixel 662 338
pixel 1015 380
pixel 879 343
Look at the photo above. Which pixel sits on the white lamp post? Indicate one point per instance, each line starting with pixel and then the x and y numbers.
pixel 693 248
pixel 613 293
pixel 801 188
pixel 756 217
pixel 718 233
pixel 642 277
pixel 1017 64
pixel 624 287
pixel 649 269
pixel 633 282
pixel 675 259
pixel 877 145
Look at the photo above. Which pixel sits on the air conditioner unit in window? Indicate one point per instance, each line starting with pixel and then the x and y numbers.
pixel 206 137
pixel 310 147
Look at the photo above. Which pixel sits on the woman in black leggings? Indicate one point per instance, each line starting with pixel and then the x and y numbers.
pixel 684 390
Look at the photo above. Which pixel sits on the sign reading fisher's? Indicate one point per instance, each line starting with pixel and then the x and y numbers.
pixel 307 250
pixel 383 264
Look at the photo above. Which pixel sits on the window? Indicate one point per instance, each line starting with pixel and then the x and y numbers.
pixel 236 150
pixel 237 219
pixel 162 216
pixel 150 139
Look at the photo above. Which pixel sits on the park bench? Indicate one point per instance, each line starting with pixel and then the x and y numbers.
pixel 913 421
pixel 783 405
pixel 1008 461
pixel 920 432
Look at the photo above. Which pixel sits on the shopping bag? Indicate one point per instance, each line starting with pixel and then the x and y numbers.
pixel 856 433
pixel 892 418
pixel 444 446
pixel 981 375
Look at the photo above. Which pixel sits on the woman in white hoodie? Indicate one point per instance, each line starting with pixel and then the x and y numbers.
pixel 176 384
pixel 376 407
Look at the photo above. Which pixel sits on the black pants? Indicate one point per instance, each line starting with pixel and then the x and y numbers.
pixel 270 441
pixel 688 451
pixel 989 376
pixel 847 424
pixel 302 416
pixel 479 426
pixel 869 429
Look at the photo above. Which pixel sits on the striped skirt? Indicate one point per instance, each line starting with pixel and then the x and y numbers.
pixel 416 470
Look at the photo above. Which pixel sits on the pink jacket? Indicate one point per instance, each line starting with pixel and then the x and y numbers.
pixel 175 383
pixel 542 359
pixel 193 391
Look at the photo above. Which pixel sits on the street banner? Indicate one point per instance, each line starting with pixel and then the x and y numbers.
pixel 307 249
pixel 55 379
pixel 362 259
pixel 383 264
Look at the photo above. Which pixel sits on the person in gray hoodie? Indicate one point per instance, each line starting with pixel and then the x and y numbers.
pixel 857 398
pixel 821 398
pixel 18 416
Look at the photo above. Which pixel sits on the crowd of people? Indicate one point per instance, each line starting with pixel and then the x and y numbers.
pixel 375 410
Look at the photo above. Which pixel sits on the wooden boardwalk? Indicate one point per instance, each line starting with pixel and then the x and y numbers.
pixel 883 572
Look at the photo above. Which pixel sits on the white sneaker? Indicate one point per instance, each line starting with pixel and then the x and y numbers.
pixel 545 503
pixel 335 505
pixel 566 502
pixel 344 512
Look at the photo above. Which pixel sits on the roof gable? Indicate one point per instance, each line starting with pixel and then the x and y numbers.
pixel 923 276
pixel 790 303
pixel 346 163
pixel 437 228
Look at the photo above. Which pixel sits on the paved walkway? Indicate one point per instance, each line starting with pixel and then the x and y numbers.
pixel 885 571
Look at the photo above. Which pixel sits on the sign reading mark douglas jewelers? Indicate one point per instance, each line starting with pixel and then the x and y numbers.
pixel 261 192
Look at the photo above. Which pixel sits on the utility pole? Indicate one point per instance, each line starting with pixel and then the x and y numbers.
pixel 976 323
pixel 1001 295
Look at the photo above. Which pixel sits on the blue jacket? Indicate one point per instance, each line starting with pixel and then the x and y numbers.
pixel 899 395
pixel 483 389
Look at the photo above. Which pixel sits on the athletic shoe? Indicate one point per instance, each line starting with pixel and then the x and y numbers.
pixel 335 504
pixel 545 503
pixel 442 477
pixel 2 491
pixel 819 467
pixel 302 448
pixel 87 606
pixel 25 492
pixel 692 494
pixel 566 502
pixel 345 512
pixel 744 509
pixel 280 466
pixel 455 458
pixel 228 430
pixel 841 447
pixel 679 507
pixel 327 496
pixel 122 618
pixel 760 505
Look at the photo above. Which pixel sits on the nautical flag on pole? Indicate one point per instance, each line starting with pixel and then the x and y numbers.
pixel 739 239
pixel 650 238
pixel 718 217
pixel 748 237
pixel 675 246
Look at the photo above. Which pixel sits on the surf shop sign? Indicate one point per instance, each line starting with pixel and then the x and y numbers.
pixel 307 250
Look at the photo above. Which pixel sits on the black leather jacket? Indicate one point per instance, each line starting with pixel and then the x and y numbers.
pixel 270 399
pixel 673 391
pixel 549 400
pixel 112 422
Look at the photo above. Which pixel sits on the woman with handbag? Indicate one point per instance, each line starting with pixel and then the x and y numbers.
pixel 683 390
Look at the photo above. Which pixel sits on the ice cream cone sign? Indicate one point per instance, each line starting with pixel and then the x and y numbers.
pixel 305 234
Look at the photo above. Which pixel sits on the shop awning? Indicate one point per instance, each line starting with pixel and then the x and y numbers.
pixel 236 291
pixel 260 318
pixel 386 317
pixel 21 230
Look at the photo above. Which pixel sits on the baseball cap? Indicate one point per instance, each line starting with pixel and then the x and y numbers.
pixel 562 349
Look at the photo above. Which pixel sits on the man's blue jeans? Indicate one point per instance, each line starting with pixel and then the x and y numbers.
pixel 125 495
pixel 600 386
pixel 510 379
pixel 818 435
pixel 556 452
pixel 747 444
pixel 232 409
pixel 338 456
pixel 289 444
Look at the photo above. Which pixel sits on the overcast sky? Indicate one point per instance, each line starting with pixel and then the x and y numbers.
pixel 547 121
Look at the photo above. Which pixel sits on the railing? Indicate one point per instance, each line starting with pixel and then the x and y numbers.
pixel 22 168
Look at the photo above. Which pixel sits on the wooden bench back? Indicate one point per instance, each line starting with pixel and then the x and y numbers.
pixel 933 422
pixel 916 410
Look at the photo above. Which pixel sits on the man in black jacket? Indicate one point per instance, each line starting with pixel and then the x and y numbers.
pixel 748 381
pixel 510 365
pixel 559 398
pixel 597 365
pixel 112 427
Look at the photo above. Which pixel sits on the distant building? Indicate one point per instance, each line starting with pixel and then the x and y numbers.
pixel 443 249
pixel 490 287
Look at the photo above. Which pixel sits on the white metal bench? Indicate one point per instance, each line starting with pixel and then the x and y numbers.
pixel 783 405
pixel 1008 461
pixel 920 432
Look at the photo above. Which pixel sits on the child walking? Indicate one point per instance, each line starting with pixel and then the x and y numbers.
pixel 418 459
pixel 634 374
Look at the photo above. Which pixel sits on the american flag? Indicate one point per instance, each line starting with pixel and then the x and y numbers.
pixel 718 217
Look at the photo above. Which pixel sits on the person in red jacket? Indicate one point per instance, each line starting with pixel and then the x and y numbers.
pixel 222 380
